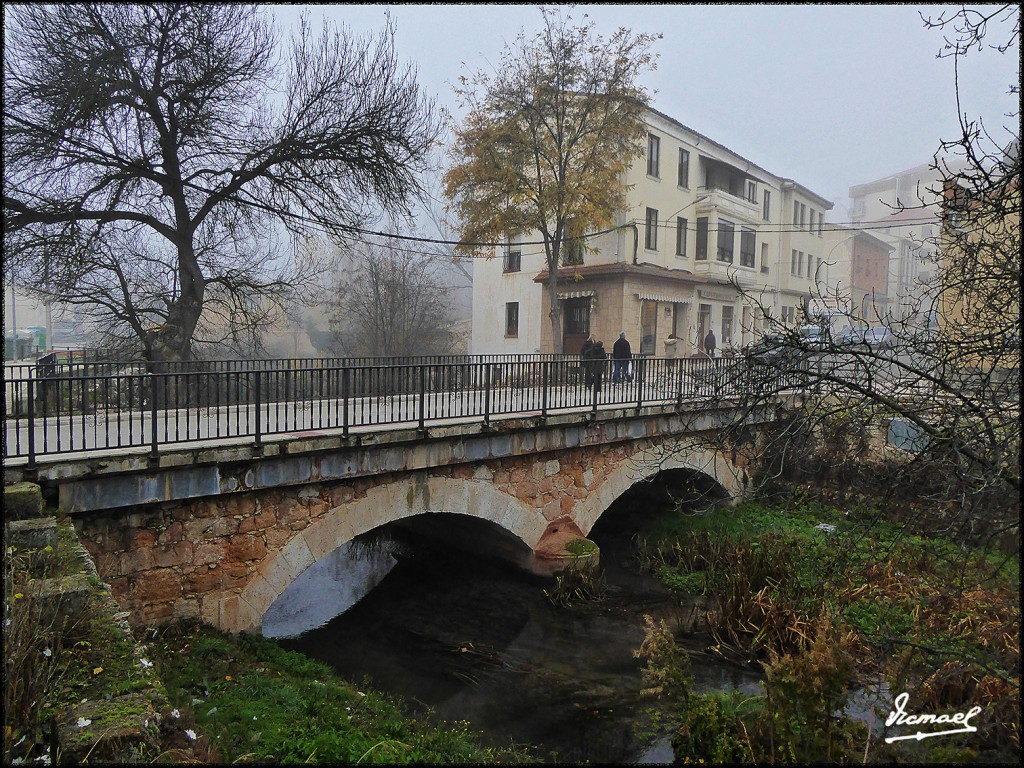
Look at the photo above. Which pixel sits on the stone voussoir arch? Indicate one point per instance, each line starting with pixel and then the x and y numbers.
pixel 645 464
pixel 405 497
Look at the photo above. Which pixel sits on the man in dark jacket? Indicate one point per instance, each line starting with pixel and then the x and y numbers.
pixel 598 360
pixel 585 356
pixel 621 355
pixel 710 344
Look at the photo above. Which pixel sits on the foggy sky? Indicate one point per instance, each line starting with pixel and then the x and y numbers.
pixel 827 95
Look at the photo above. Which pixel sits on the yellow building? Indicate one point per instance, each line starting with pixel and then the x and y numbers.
pixel 979 282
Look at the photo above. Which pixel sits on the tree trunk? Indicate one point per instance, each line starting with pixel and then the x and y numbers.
pixel 555 313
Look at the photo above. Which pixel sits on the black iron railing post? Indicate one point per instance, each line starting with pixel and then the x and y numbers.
pixel 422 394
pixel 545 378
pixel 32 422
pixel 344 402
pixel 638 376
pixel 487 394
pixel 257 398
pixel 154 449
pixel 677 369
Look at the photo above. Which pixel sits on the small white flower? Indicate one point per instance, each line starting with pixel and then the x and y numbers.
pixel 47 652
pixel 146 663
pixel 254 717
pixel 84 721
pixel 175 714
pixel 191 734
pixel 196 701
pixel 18 761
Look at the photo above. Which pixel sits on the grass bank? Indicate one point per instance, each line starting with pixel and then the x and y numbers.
pixel 243 699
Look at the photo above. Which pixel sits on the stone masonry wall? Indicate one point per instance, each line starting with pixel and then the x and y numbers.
pixel 179 559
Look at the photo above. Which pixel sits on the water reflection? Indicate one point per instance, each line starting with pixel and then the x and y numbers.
pixel 330 586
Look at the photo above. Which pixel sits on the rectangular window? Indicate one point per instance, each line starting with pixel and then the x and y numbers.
pixel 513 261
pixel 821 218
pixel 810 265
pixel 764 258
pixel 800 262
pixel 726 235
pixel 752 192
pixel 803 216
pixel 651 230
pixel 796 214
pixel 767 205
pixel 726 326
pixel 702 239
pixel 653 151
pixel 681 231
pixel 512 318
pixel 572 251
pixel 748 245
pixel 813 216
pixel 684 168
pixel 792 263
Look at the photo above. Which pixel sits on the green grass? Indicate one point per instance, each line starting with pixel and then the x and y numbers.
pixel 256 702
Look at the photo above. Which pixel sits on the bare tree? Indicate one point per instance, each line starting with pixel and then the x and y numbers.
pixel 158 156
pixel 548 139
pixel 391 300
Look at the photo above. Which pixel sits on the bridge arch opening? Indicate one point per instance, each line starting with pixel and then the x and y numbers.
pixel 340 579
pixel 668 491
pixel 510 526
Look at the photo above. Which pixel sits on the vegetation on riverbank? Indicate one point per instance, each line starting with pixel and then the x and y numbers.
pixel 832 601
pixel 243 699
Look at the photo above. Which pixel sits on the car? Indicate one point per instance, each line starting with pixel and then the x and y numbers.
pixel 812 336
pixel 879 337
pixel 848 337
pixel 775 350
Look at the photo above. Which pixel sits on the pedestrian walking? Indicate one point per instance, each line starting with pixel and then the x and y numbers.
pixel 622 354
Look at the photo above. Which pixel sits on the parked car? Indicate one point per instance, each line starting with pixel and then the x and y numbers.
pixel 848 337
pixel 879 338
pixel 814 337
pixel 774 350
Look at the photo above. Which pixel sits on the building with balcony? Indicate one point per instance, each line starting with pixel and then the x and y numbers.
pixel 708 240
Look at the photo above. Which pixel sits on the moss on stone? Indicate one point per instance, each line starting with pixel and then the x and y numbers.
pixel 22 501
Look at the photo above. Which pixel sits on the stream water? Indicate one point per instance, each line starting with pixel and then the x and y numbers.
pixel 473 638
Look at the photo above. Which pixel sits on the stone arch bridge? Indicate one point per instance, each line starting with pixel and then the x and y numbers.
pixel 220 533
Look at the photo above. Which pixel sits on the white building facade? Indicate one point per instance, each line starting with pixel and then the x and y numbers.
pixel 703 226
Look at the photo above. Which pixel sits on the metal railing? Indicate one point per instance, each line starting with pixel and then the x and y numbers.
pixel 128 407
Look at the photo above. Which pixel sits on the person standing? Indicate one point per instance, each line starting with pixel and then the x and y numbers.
pixel 621 355
pixel 586 353
pixel 710 344
pixel 598 359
